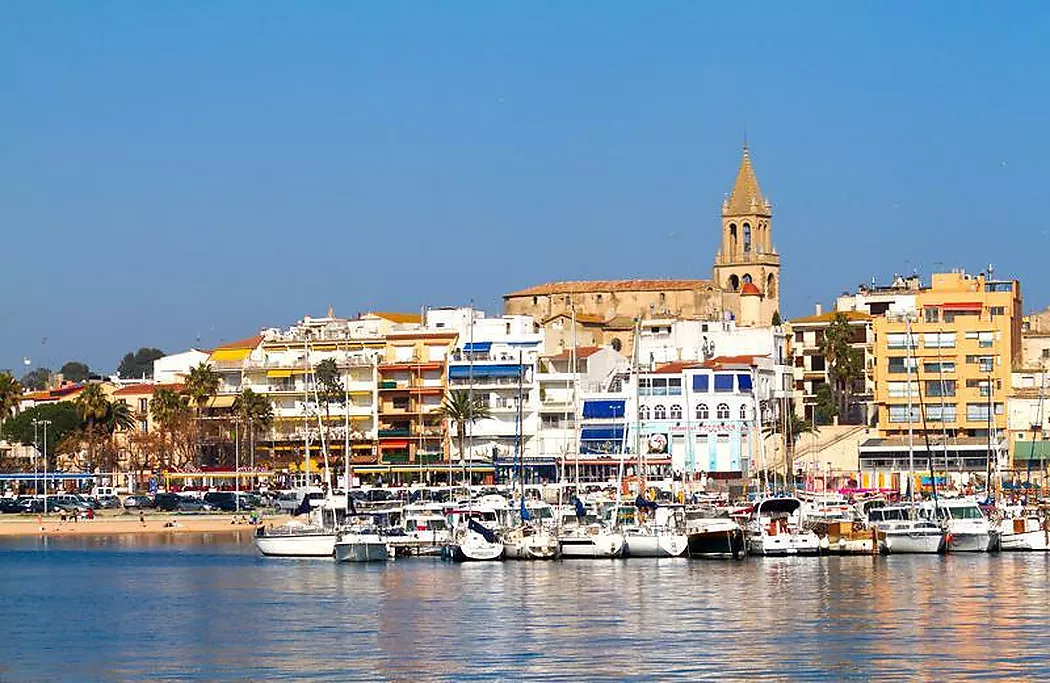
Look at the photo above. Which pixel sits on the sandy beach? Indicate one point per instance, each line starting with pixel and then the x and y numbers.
pixel 25 525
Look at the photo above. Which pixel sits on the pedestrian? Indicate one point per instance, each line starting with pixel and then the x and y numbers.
pixel 142 518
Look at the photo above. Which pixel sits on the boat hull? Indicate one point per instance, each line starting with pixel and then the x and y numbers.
pixel 534 547
pixel 596 546
pixel 655 545
pixel 296 545
pixel 362 551
pixel 970 542
pixel 1024 541
pixel 901 542
pixel 784 544
pixel 723 543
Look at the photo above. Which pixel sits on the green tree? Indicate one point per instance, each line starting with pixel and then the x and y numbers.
pixel 62 415
pixel 139 364
pixel 10 395
pixel 92 409
pixel 174 418
pixel 37 380
pixel 845 363
pixel 825 408
pixel 329 389
pixel 201 385
pixel 776 319
pixel 75 371
pixel 459 407
pixel 254 411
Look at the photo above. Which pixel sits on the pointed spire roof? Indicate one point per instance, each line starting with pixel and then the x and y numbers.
pixel 746 197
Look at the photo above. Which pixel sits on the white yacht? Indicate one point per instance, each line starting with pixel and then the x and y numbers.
pixel 713 534
pixel 474 542
pixel 534 537
pixel 969 530
pixel 902 529
pixel 362 545
pixel 314 538
pixel 661 535
pixel 775 528
pixel 427 527
pixel 1022 529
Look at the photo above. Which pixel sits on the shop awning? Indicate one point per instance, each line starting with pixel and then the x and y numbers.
pixel 479 347
pixel 230 354
pixel 601 433
pixel 604 409
pixel 467 371
pixel 386 445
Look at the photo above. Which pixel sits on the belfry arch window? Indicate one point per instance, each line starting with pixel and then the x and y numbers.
pixel 771 286
pixel 732 238
pixel 747 278
pixel 747 237
pixel 734 283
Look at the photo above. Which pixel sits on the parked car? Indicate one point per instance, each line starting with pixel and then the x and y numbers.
pixel 167 502
pixel 191 504
pixel 109 503
pixel 137 502
pixel 10 506
pixel 227 501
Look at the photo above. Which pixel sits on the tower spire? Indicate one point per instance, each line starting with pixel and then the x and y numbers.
pixel 746 197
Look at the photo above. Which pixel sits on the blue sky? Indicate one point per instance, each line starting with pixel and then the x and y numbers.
pixel 179 171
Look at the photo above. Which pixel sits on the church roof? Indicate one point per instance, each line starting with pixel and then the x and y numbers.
pixel 586 286
pixel 746 197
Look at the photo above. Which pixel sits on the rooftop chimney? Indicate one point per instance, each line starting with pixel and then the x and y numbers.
pixel 820 309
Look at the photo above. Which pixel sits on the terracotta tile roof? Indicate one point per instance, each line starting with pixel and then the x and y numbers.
pixel 621 322
pixel 581 352
pixel 584 286
pixel 852 316
pixel 722 361
pixel 583 318
pixel 249 343
pixel 675 367
pixel 145 389
pixel 396 317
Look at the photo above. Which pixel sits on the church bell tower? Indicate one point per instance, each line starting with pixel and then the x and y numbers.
pixel 747 255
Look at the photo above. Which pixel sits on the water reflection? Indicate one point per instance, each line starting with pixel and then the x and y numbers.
pixel 189 607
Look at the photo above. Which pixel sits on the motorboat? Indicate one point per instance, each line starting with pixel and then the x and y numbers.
pixel 662 535
pixel 364 544
pixel 711 534
pixel 775 528
pixel 969 530
pixel 590 540
pixel 531 542
pixel 905 529
pixel 1022 529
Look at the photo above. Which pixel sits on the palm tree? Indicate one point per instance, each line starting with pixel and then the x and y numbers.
pixel 173 414
pixel 92 408
pixel 253 410
pixel 461 408
pixel 201 385
pixel 10 395
pixel 119 417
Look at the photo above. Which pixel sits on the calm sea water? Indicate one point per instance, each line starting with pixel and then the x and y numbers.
pixel 206 607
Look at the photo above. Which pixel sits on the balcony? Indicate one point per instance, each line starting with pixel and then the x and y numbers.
pixel 399 431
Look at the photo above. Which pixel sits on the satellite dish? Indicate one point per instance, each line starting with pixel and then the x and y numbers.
pixel 27 360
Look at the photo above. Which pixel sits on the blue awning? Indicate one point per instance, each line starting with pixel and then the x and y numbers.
pixel 700 383
pixel 604 409
pixel 744 382
pixel 65 476
pixel 612 433
pixel 466 371
pixel 480 347
pixel 724 383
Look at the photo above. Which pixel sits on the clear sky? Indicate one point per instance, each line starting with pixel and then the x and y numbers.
pixel 175 171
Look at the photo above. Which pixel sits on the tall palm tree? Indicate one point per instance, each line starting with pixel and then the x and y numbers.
pixel 173 414
pixel 253 410
pixel 461 408
pixel 92 408
pixel 201 385
pixel 10 394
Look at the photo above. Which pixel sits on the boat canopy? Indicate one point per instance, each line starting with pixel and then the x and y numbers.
pixel 778 506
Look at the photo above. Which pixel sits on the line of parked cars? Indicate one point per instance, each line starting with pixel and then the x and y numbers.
pixel 210 501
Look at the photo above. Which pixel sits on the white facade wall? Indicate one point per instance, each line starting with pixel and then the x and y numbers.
pixel 174 368
pixel 667 341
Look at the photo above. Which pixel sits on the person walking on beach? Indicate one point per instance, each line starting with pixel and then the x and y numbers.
pixel 142 518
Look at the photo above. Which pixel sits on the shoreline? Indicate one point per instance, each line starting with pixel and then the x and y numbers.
pixel 12 525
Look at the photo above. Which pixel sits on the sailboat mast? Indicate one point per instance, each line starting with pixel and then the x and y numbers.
pixel 346 428
pixel 910 344
pixel 517 431
pixel 575 400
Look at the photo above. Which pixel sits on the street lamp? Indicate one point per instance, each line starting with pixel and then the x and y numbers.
pixel 45 423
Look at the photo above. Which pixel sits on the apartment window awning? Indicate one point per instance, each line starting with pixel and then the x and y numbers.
pixel 477 347
pixel 230 354
pixel 724 383
pixel 744 382
pixel 467 371
pixel 961 306
pixel 221 401
pixel 602 433
pixel 604 409
pixel 387 445
pixel 278 373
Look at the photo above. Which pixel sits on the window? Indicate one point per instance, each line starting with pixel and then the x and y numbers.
pixel 401 403
pixel 676 412
pixel 816 363
pixel 743 412
pixel 702 413
pixel 598 298
pixel 674 386
pixel 744 383
pixel 931 315
pixel 977 412
pixel 897 340
pixel 535 300
pixel 643 413
pixel 700 384
pixel 1046 353
pixel 939 340
pixel 902 389
pixel 939 413
pixel 723 384
pixel 659 412
pixel 984 363
pixel 899 414
pixel 659 386
pixel 747 237
pixel 722 412
pixel 143 405
pixel 950 316
pixel 996 311
pixel 938 388
pixel 981 384
pixel 939 367
pixel 901 364
pixel 644 387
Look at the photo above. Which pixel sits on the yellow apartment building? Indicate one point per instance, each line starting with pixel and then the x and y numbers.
pixel 942 374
